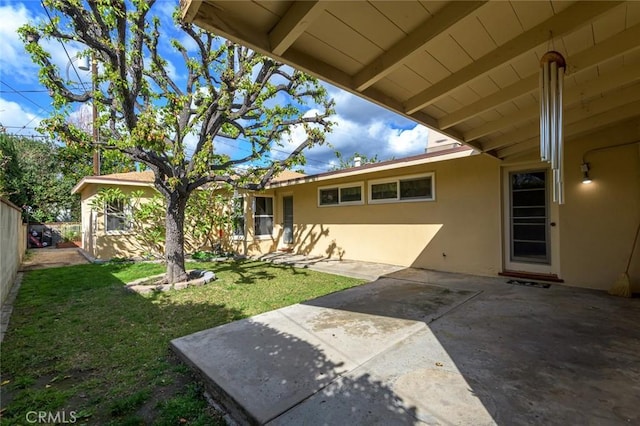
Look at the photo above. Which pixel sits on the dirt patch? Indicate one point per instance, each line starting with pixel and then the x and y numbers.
pixel 52 258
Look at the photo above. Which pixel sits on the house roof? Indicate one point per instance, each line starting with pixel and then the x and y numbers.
pixel 467 69
pixel 146 178
pixel 287 175
pixel 429 157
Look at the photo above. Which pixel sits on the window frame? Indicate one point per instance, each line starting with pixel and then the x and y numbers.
pixel 339 188
pixel 397 180
pixel 254 216
pixel 123 214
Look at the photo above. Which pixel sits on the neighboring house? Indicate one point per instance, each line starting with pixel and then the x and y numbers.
pixel 106 231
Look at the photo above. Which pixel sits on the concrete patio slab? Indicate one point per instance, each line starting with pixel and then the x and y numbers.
pixel 349 268
pixel 424 347
pixel 275 360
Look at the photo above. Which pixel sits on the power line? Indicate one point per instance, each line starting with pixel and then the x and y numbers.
pixel 18 93
pixel 26 136
pixel 64 48
pixel 39 106
pixel 25 91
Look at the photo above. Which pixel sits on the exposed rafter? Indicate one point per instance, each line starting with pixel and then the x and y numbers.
pixel 299 16
pixel 596 122
pixel 343 81
pixel 614 46
pixel 566 21
pixel 573 117
pixel 209 18
pixel 189 9
pixel 282 30
pixel 486 103
pixel 414 41
pixel 603 83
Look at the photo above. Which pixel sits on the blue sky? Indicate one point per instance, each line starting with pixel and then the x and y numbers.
pixel 361 125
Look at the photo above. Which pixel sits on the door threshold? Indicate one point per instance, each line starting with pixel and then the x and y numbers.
pixel 531 276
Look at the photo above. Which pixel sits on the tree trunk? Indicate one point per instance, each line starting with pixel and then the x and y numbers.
pixel 174 239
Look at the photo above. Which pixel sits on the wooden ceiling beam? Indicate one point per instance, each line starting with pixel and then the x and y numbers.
pixel 575 130
pixel 583 113
pixel 583 92
pixel 295 21
pixel 413 42
pixel 614 46
pixel 189 9
pixel 342 80
pixel 575 16
pixel 209 18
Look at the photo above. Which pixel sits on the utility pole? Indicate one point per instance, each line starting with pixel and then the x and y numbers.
pixel 94 116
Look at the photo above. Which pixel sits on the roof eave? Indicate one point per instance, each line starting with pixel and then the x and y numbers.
pixel 85 181
pixel 415 160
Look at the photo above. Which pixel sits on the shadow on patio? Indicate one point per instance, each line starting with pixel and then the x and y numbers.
pixel 420 346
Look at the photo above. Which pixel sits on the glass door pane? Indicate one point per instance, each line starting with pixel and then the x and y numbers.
pixel 287 210
pixel 529 217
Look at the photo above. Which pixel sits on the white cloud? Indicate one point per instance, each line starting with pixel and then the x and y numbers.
pixel 13 117
pixel 12 53
pixel 368 134
pixel 407 142
pixel 359 110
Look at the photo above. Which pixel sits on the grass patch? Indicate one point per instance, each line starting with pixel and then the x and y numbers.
pixel 79 342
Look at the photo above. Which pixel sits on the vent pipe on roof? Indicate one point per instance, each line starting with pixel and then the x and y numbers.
pixel 357 161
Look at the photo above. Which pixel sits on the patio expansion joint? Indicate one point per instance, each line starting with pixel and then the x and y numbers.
pixel 456 306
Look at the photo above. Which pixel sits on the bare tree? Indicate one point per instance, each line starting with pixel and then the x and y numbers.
pixel 227 93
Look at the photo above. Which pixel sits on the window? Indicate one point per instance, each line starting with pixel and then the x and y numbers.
pixel 340 195
pixel 383 191
pixel 237 217
pixel 328 196
pixel 406 188
pixel 116 213
pixel 263 216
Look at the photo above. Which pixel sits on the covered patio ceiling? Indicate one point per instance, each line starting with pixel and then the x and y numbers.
pixel 467 69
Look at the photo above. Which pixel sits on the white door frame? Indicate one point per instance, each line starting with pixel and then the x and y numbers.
pixel 551 268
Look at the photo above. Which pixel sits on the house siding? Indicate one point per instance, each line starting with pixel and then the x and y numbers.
pixel 95 239
pixel 598 222
pixel 459 230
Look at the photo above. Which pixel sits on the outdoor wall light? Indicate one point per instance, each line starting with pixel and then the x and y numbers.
pixel 585 173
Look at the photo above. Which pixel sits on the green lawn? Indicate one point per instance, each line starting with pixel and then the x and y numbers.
pixel 78 342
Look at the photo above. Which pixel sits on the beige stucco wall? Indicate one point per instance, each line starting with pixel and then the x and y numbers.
pixel 106 245
pixel 98 242
pixel 599 220
pixel 458 231
pixel 462 230
pixel 13 240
